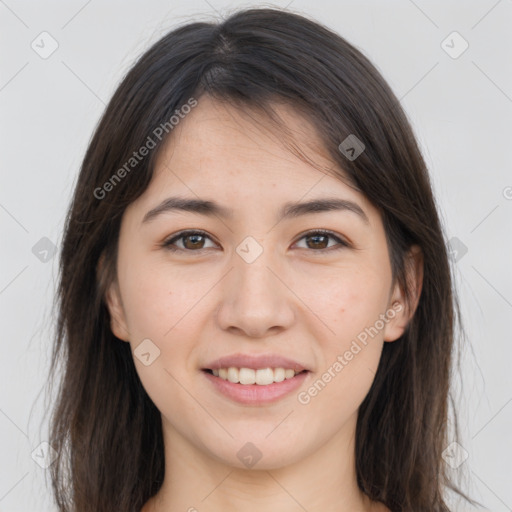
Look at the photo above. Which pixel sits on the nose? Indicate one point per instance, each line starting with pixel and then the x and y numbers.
pixel 255 300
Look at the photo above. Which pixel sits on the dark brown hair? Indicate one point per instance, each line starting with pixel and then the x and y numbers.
pixel 106 430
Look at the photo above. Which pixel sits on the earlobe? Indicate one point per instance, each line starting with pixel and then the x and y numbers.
pixel 397 321
pixel 113 301
pixel 117 317
pixel 401 310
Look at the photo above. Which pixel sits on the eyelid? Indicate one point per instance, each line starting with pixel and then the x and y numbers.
pixel 341 242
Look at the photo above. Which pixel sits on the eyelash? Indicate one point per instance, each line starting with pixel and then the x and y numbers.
pixel 167 244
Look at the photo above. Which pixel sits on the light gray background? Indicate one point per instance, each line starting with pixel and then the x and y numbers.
pixel 461 110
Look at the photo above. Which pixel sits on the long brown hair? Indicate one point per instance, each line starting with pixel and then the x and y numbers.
pixel 104 427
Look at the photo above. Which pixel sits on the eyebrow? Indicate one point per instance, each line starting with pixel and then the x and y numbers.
pixel 289 210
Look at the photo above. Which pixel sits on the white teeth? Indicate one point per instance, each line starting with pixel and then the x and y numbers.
pixel 248 376
pixel 265 376
pixel 233 375
pixel 289 374
pixel 279 374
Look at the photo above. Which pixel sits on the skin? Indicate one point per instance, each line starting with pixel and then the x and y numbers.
pixel 293 300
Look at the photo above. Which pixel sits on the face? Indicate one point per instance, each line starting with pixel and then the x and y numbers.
pixel 246 287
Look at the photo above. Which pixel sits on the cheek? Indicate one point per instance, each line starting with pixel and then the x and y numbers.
pixel 351 307
pixel 159 306
pixel 166 307
pixel 350 362
pixel 336 395
pixel 157 301
pixel 349 301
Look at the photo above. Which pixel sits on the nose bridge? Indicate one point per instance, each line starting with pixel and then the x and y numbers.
pixel 253 276
pixel 255 300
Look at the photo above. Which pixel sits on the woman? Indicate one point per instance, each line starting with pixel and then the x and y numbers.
pixel 255 306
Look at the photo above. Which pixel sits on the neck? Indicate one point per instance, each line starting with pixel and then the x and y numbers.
pixel 323 480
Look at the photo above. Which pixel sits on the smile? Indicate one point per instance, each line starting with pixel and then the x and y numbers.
pixel 248 376
pixel 255 387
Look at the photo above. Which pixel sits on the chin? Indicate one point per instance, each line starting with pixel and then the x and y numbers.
pixel 257 453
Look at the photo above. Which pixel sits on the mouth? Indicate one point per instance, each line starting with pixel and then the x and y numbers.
pixel 249 386
pixel 250 376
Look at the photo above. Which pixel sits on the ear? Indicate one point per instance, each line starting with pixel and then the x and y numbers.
pixel 114 304
pixel 400 311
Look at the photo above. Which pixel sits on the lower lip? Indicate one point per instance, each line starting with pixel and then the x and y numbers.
pixel 255 394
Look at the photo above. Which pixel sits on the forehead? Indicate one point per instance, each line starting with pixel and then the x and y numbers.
pixel 239 156
pixel 241 137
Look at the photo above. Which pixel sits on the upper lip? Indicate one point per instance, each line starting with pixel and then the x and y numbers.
pixel 256 362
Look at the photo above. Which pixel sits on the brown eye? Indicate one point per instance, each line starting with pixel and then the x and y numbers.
pixel 192 241
pixel 319 241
